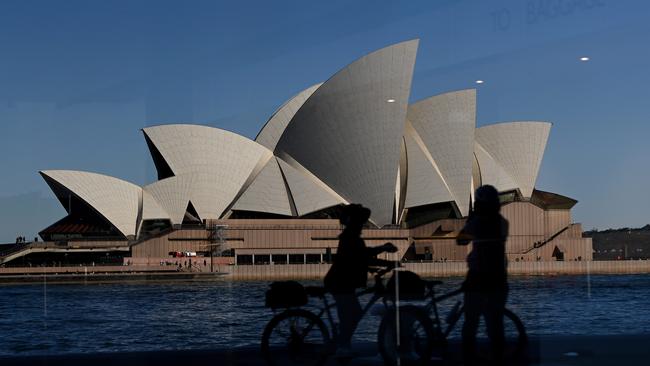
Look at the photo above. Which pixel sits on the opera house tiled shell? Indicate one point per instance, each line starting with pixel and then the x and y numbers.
pixel 354 138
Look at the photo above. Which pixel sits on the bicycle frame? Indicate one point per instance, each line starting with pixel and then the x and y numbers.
pixel 376 290
pixel 432 306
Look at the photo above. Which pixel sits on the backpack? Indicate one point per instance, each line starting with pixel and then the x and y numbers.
pixel 285 294
pixel 411 286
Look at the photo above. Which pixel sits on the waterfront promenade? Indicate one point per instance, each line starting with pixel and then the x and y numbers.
pixel 296 271
pixel 548 351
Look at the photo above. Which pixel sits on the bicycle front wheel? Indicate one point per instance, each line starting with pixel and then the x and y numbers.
pixel 407 338
pixel 516 339
pixel 295 337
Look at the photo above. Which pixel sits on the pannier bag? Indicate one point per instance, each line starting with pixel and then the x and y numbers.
pixel 411 286
pixel 285 294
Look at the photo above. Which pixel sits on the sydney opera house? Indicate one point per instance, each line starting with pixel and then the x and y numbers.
pixel 353 138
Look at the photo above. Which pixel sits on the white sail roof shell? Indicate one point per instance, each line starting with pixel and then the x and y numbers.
pixel 425 185
pixel 173 194
pixel 210 193
pixel 212 167
pixel 491 172
pixel 114 199
pixel 446 124
pixel 151 209
pixel 267 193
pixel 274 127
pixel 518 147
pixel 401 185
pixel 308 193
pixel 198 149
pixel 348 134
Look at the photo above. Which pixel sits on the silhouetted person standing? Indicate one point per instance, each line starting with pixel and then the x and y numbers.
pixel 349 271
pixel 486 285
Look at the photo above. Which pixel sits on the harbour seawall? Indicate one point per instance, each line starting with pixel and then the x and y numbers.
pixel 447 269
pixel 298 271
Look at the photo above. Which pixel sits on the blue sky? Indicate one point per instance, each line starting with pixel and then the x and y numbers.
pixel 78 79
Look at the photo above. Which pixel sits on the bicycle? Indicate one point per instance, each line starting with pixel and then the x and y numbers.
pixel 297 336
pixel 409 333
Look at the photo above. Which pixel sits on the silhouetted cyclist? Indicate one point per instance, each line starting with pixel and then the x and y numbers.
pixel 486 285
pixel 349 271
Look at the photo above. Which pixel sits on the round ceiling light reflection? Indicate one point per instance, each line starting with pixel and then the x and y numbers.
pixel 480 81
pixel 390 100
pixel 584 58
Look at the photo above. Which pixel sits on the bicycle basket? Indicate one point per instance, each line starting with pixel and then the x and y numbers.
pixel 411 286
pixel 285 294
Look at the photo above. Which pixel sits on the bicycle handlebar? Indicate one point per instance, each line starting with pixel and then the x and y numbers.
pixel 381 266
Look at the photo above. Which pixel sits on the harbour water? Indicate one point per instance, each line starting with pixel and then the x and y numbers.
pixel 77 318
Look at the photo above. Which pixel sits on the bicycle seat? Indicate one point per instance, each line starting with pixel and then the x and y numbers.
pixel 315 291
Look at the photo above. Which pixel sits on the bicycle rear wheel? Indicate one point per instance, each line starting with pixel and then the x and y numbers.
pixel 295 337
pixel 408 337
pixel 515 338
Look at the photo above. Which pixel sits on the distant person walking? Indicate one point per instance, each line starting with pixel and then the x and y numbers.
pixel 349 271
pixel 486 284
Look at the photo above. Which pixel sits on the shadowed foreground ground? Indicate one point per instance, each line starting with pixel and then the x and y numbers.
pixel 583 350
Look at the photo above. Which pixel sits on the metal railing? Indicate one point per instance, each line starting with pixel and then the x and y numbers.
pixel 14 249
pixel 540 244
